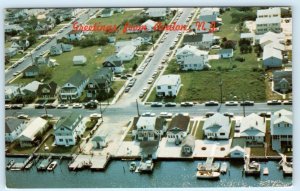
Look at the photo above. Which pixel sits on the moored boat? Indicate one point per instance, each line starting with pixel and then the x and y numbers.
pixel 10 164
pixel 132 166
pixel 266 171
pixel 44 164
pixel 223 168
pixel 208 175
pixel 52 166
pixel 29 165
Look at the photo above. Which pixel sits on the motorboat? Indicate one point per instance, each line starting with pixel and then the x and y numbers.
pixel 208 175
pixel 52 165
pixel 10 164
pixel 132 166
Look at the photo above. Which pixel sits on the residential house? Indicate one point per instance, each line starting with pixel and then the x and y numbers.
pixel 100 83
pixel 118 10
pixel 74 35
pixel 217 127
pixel 134 42
pixel 168 85
pixel 31 71
pixel 253 129
pixel 282 81
pixel 149 128
pixel 41 60
pixel 271 37
pixel 202 41
pixel 60 48
pixel 11 91
pixel 99 142
pixel 266 24
pixel 68 129
pixel 226 53
pixel 146 38
pixel 248 36
pixel 34 129
pixel 149 25
pixel 237 152
pixel 31 88
pixel 178 128
pixel 126 53
pixel 107 12
pixel 272 57
pixel 47 91
pixel 114 64
pixel 201 27
pixel 157 13
pixel 188 146
pixel 13 128
pixel 282 130
pixel 10 52
pixel 74 87
pixel 42 28
pixel 209 15
pixel 79 60
pixel 9 28
pixel 191 58
pixel 148 149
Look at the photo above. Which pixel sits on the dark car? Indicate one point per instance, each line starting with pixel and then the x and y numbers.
pixel 16 106
pixel 156 104
pixel 209 114
pixel 247 103
pixel 124 77
pixel 170 104
pixel 117 75
pixel 228 114
pixel 287 102
pixel 187 104
pixel 39 106
pixel 127 89
pixel 211 103
pixel 91 105
pixel 128 75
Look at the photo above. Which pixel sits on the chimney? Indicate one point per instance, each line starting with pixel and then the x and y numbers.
pixel 256 123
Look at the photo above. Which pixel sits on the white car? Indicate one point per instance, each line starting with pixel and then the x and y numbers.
pixel 150 81
pixel 166 115
pixel 23 116
pixel 231 103
pixel 148 114
pixel 215 47
pixel 77 105
pixel 16 73
pixel 62 106
pixel 96 115
pixel 139 71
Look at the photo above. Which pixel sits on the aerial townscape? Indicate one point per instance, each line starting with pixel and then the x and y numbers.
pixel 148 97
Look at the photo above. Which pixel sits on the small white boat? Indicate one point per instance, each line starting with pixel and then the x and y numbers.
pixel 10 164
pixel 223 167
pixel 132 166
pixel 266 171
pixel 29 165
pixel 208 175
pixel 52 165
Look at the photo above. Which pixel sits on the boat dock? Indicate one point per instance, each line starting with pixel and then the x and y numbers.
pixel 93 162
pixel 251 168
pixel 287 167
pixel 209 165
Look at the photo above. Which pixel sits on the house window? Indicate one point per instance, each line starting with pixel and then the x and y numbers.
pixel 61 140
pixel 169 87
pixel 222 134
pixel 158 87
pixel 70 140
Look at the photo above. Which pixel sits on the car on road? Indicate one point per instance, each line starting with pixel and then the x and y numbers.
pixel 16 106
pixel 23 116
pixel 211 103
pixel 228 114
pixel 287 102
pixel 148 114
pixel 231 103
pixel 39 106
pixel 95 115
pixel 160 67
pixel 156 104
pixel 127 89
pixel 209 114
pixel 7 106
pixel 170 104
pixel 16 73
pixel 186 104
pixel 166 115
pixel 247 103
pixel 62 106
pixel 77 105
pixel 50 106
pixel 47 116
pixel 141 95
pixel 140 71
pixel 151 54
pixel 265 114
pixel 91 105
pixel 150 81
pixel 274 102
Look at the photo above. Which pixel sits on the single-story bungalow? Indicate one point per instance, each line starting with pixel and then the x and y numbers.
pixel 79 60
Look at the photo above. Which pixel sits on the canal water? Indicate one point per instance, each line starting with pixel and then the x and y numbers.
pixel 165 174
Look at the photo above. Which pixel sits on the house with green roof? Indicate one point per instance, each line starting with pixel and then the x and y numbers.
pixel 69 129
pixel 74 87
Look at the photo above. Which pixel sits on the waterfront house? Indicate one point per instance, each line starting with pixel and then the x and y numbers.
pixel 114 64
pixel 31 88
pixel 60 48
pixel 148 149
pixel 190 58
pixel 79 60
pixel 178 128
pixel 100 83
pixel 237 152
pixel 11 91
pixel 282 130
pixel 282 81
pixel 13 128
pixel 149 128
pixel 157 13
pixel 47 91
pixel 272 57
pixel 226 53
pixel 126 53
pixel 33 131
pixel 217 127
pixel 74 35
pixel 202 41
pixel 10 52
pixel 107 12
pixel 188 146
pixel 69 129
pixel 31 71
pixel 99 142
pixel 168 85
pixel 253 129
pixel 74 87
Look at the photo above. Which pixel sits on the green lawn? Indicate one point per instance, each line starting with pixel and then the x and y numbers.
pixel 117 85
pixel 128 65
pixel 16 149
pixel 232 127
pixel 199 131
pixel 56 28
pixel 56 149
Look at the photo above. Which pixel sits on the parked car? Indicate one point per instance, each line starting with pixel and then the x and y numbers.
pixel 211 103
pixel 287 102
pixel 23 116
pixel 7 106
pixel 215 47
pixel 124 77
pixel 47 116
pixel 150 81
pixel 231 103
pixel 228 114
pixel 77 105
pixel 170 104
pixel 265 114
pixel 186 104
pixel 141 95
pixel 156 104
pixel 209 114
pixel 140 71
pixel 91 105
pixel 16 73
pixel 148 114
pixel 247 103
pixel 166 115
pixel 274 102
pixel 50 106
pixel 95 115
pixel 39 106
pixel 127 89
pixel 128 75
pixel 62 106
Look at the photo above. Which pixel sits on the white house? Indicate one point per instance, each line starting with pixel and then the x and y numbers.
pixel 99 142
pixel 74 87
pixel 248 36
pixel 107 12
pixel 134 42
pixel 226 53
pixel 217 127
pixel 168 85
pixel 271 37
pixel 36 127
pixel 13 128
pixel 68 129
pixel 114 64
pixel 157 12
pixel 282 130
pixel 266 24
pixel 253 128
pixel 11 91
pixel 79 60
pixel 149 128
pixel 149 25
pixel 10 52
pixel 178 128
pixel 126 53
pixel 74 35
pixel 202 41
pixel 190 58
pixel 268 13
pixel 272 57
pixel 237 152
pixel 32 87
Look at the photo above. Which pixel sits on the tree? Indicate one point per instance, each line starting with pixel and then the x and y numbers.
pixel 134 67
pixel 45 73
pixel 228 44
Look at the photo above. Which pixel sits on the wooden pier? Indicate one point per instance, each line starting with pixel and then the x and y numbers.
pixel 287 167
pixel 93 162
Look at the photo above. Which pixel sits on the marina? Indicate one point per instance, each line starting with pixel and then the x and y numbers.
pixel 251 168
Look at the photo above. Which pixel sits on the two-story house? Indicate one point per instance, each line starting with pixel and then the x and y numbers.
pixel 190 58
pixel 68 129
pixel 282 130
pixel 282 81
pixel 13 128
pixel 157 13
pixel 268 20
pixel 74 35
pixel 217 127
pixel 202 41
pixel 178 128
pixel 168 85
pixel 47 91
pixel 115 65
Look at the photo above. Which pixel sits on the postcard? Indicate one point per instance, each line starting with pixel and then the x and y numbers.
pixel 183 97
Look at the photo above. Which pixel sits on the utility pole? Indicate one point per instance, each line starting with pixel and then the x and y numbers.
pixel 221 90
pixel 137 107
pixel 101 111
pixel 243 106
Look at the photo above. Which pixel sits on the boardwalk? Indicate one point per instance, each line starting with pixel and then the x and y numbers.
pixel 95 162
